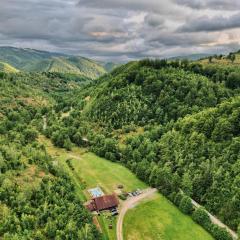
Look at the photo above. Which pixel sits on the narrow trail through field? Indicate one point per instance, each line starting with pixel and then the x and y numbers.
pixel 128 204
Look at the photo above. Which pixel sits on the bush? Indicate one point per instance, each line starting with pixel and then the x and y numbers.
pixel 178 199
pixel 122 197
pixel 233 80
pixel 201 217
pixel 220 233
pixel 186 205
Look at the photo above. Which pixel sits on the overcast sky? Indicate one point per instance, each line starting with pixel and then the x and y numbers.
pixel 122 30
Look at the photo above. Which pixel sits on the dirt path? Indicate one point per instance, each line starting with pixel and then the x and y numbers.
pixel 217 221
pixel 44 123
pixel 128 204
pixel 74 156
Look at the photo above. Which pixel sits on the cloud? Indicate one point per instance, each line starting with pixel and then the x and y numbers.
pixel 207 24
pixel 230 5
pixel 120 29
pixel 154 20
pixel 165 7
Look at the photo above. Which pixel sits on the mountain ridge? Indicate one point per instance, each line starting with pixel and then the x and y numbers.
pixel 32 60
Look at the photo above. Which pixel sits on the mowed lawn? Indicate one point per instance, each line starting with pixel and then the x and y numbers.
pixel 100 172
pixel 159 219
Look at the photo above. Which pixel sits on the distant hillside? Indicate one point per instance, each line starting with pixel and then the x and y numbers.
pixel 222 60
pixel 5 67
pixel 41 61
pixel 192 57
pixel 109 66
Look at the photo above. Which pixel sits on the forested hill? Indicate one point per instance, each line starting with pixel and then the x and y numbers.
pixel 141 94
pixel 175 127
pixel 36 196
pixel 30 60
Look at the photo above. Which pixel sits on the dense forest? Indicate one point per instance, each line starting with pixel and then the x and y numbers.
pixel 36 196
pixel 190 138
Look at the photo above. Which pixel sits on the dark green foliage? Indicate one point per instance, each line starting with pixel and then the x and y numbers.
pixel 220 233
pixel 151 92
pixel 186 205
pixel 231 57
pixel 34 206
pixel 233 80
pixel 201 217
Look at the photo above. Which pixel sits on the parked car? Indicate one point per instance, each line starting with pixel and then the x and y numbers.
pixel 114 212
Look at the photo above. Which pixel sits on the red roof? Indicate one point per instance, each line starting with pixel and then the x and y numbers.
pixel 91 206
pixel 103 202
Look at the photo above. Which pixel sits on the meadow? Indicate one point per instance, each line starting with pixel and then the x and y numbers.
pixel 158 219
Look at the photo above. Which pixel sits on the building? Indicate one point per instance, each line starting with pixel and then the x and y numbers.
pixel 103 203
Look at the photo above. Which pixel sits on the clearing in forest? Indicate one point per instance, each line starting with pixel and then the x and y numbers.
pixel 152 219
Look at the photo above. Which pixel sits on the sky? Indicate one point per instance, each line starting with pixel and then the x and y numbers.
pixel 122 30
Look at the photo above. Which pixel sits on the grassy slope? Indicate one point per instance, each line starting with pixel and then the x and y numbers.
pixel 5 67
pixel 164 221
pixel 224 62
pixel 97 171
pixel 143 219
pixel 74 65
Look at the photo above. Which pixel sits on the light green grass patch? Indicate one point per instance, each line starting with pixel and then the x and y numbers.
pixel 97 171
pixel 159 219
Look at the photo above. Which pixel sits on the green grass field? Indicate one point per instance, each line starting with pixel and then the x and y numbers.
pixel 159 219
pixel 97 171
pixel 152 219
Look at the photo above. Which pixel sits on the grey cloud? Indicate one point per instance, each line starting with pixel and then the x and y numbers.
pixel 207 24
pixel 175 39
pixel 154 20
pixel 230 5
pixel 164 7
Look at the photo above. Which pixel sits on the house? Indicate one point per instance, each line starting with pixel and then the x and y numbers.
pixel 103 203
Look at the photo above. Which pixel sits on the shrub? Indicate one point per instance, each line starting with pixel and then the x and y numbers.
pixel 220 233
pixel 233 80
pixel 201 217
pixel 178 199
pixel 186 205
pixel 122 197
